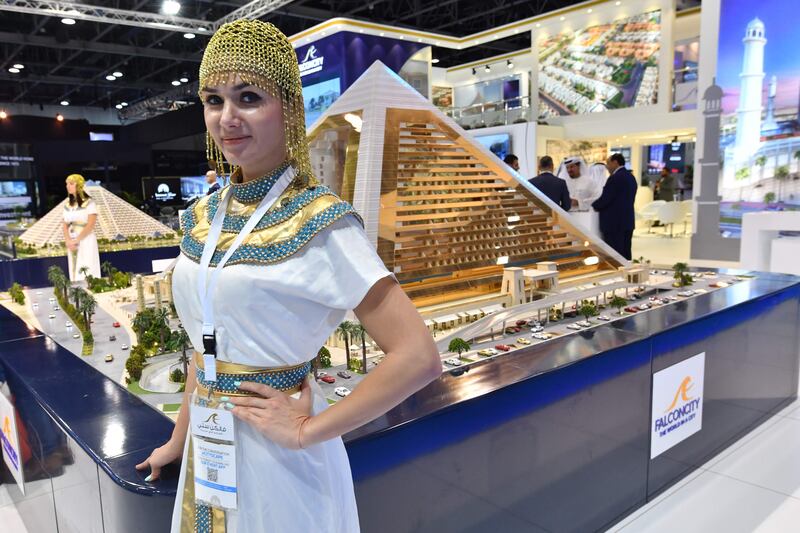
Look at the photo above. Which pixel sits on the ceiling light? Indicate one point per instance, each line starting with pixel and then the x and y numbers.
pixel 382 34
pixel 111 77
pixel 503 260
pixel 487 68
pixel 563 18
pixel 117 74
pixel 175 83
pixel 60 117
pixel 437 43
pixel 3 114
pixel 538 25
pixel 188 35
pixel 434 61
pixel 402 37
pixel 124 104
pixel 13 70
pixel 591 260
pixel 419 40
pixel 19 65
pixel 68 21
pixel 200 28
pixel 170 7
pixel 617 3
pixel 184 80
pixel 118 106
pixel 361 31
pixel 65 102
pixel 589 10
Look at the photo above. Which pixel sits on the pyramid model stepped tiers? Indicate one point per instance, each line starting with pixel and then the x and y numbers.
pixel 115 217
pixel 446 215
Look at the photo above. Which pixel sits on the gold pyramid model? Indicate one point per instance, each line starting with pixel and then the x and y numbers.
pixel 115 218
pixel 447 216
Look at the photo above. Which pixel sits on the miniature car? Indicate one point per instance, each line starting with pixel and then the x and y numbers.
pixel 52 300
pixel 342 391
pixel 124 347
pixel 112 338
pixel 115 324
pixel 452 362
pixel 604 318
pixel 718 285
pixel 76 336
pixel 635 296
pixel 632 309
pixel 644 307
pixel 51 315
pixel 700 291
pixel 503 347
pixel 537 329
pixel 512 329
pixel 686 294
pixel 38 293
pixel 108 358
pixel 56 308
pixel 326 378
pixel 35 305
pixel 523 340
pixel 573 326
pixel 522 322
pixel 68 324
pixel 344 374
pixel 584 324
pixel 487 352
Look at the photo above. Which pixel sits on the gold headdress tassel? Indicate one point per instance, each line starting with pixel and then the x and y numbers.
pixel 261 55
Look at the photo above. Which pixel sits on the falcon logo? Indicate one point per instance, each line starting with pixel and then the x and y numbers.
pixel 681 394
pixel 311 54
pixel 212 419
pixel 311 63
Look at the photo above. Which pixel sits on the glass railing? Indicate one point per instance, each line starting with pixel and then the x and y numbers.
pixel 488 114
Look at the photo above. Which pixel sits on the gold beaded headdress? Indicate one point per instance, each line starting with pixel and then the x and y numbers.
pixel 79 182
pixel 261 55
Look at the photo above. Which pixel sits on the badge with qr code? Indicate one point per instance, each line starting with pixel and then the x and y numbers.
pixel 214 454
pixel 214 473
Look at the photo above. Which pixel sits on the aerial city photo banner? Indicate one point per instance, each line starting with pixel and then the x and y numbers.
pixel 758 69
pixel 607 66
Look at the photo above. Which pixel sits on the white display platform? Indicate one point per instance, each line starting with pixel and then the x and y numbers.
pixel 760 244
pixel 589 220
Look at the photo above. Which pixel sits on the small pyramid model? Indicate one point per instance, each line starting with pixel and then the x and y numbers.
pixel 447 216
pixel 115 218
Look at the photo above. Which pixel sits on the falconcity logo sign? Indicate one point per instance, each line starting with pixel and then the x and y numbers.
pixel 677 411
pixel 212 425
pixel 682 409
pixel 311 63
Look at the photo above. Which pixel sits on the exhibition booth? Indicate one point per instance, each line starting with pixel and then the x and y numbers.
pixel 576 386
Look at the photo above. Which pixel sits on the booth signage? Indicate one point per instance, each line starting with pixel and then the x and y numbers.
pixel 677 406
pixel 312 62
pixel 9 438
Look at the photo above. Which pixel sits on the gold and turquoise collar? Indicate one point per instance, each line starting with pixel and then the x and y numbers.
pixel 254 190
pixel 285 229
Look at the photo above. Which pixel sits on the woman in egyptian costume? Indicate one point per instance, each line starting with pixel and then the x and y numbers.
pixel 80 218
pixel 278 298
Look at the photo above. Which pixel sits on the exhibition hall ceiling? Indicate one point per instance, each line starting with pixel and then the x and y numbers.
pixel 80 62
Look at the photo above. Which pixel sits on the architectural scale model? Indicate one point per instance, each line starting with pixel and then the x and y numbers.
pixel 116 220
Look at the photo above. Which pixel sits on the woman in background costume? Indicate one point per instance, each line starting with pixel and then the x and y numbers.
pixel 80 217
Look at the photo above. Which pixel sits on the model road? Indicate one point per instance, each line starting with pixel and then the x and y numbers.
pixel 102 328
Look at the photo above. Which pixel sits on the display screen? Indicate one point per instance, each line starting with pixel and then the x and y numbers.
pixel 100 136
pixel 319 97
pixel 598 68
pixel 193 187
pixel 758 70
pixel 670 156
pixel 166 191
pixel 499 144
pixel 15 199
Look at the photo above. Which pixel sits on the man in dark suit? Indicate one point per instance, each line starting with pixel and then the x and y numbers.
pixel 615 206
pixel 551 185
pixel 211 179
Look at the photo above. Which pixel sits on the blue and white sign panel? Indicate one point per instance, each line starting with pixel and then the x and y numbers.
pixel 9 439
pixel 677 411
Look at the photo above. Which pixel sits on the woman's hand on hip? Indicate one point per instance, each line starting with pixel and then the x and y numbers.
pixel 275 414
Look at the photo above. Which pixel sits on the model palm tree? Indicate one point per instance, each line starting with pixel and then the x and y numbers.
pixel 163 325
pixel 619 302
pixel 141 323
pixel 107 267
pixel 75 295
pixel 781 174
pixel 84 271
pixel 343 332
pixel 88 305
pixel 459 346
pixel 183 338
pixel 587 309
pixel 359 331
pixel 761 162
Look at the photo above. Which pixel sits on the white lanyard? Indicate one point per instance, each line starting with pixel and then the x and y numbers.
pixel 206 291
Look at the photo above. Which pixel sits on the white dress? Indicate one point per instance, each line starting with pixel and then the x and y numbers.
pixel 87 254
pixel 276 315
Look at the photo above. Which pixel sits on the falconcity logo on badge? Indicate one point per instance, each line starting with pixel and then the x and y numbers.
pixel 212 425
pixel 311 63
